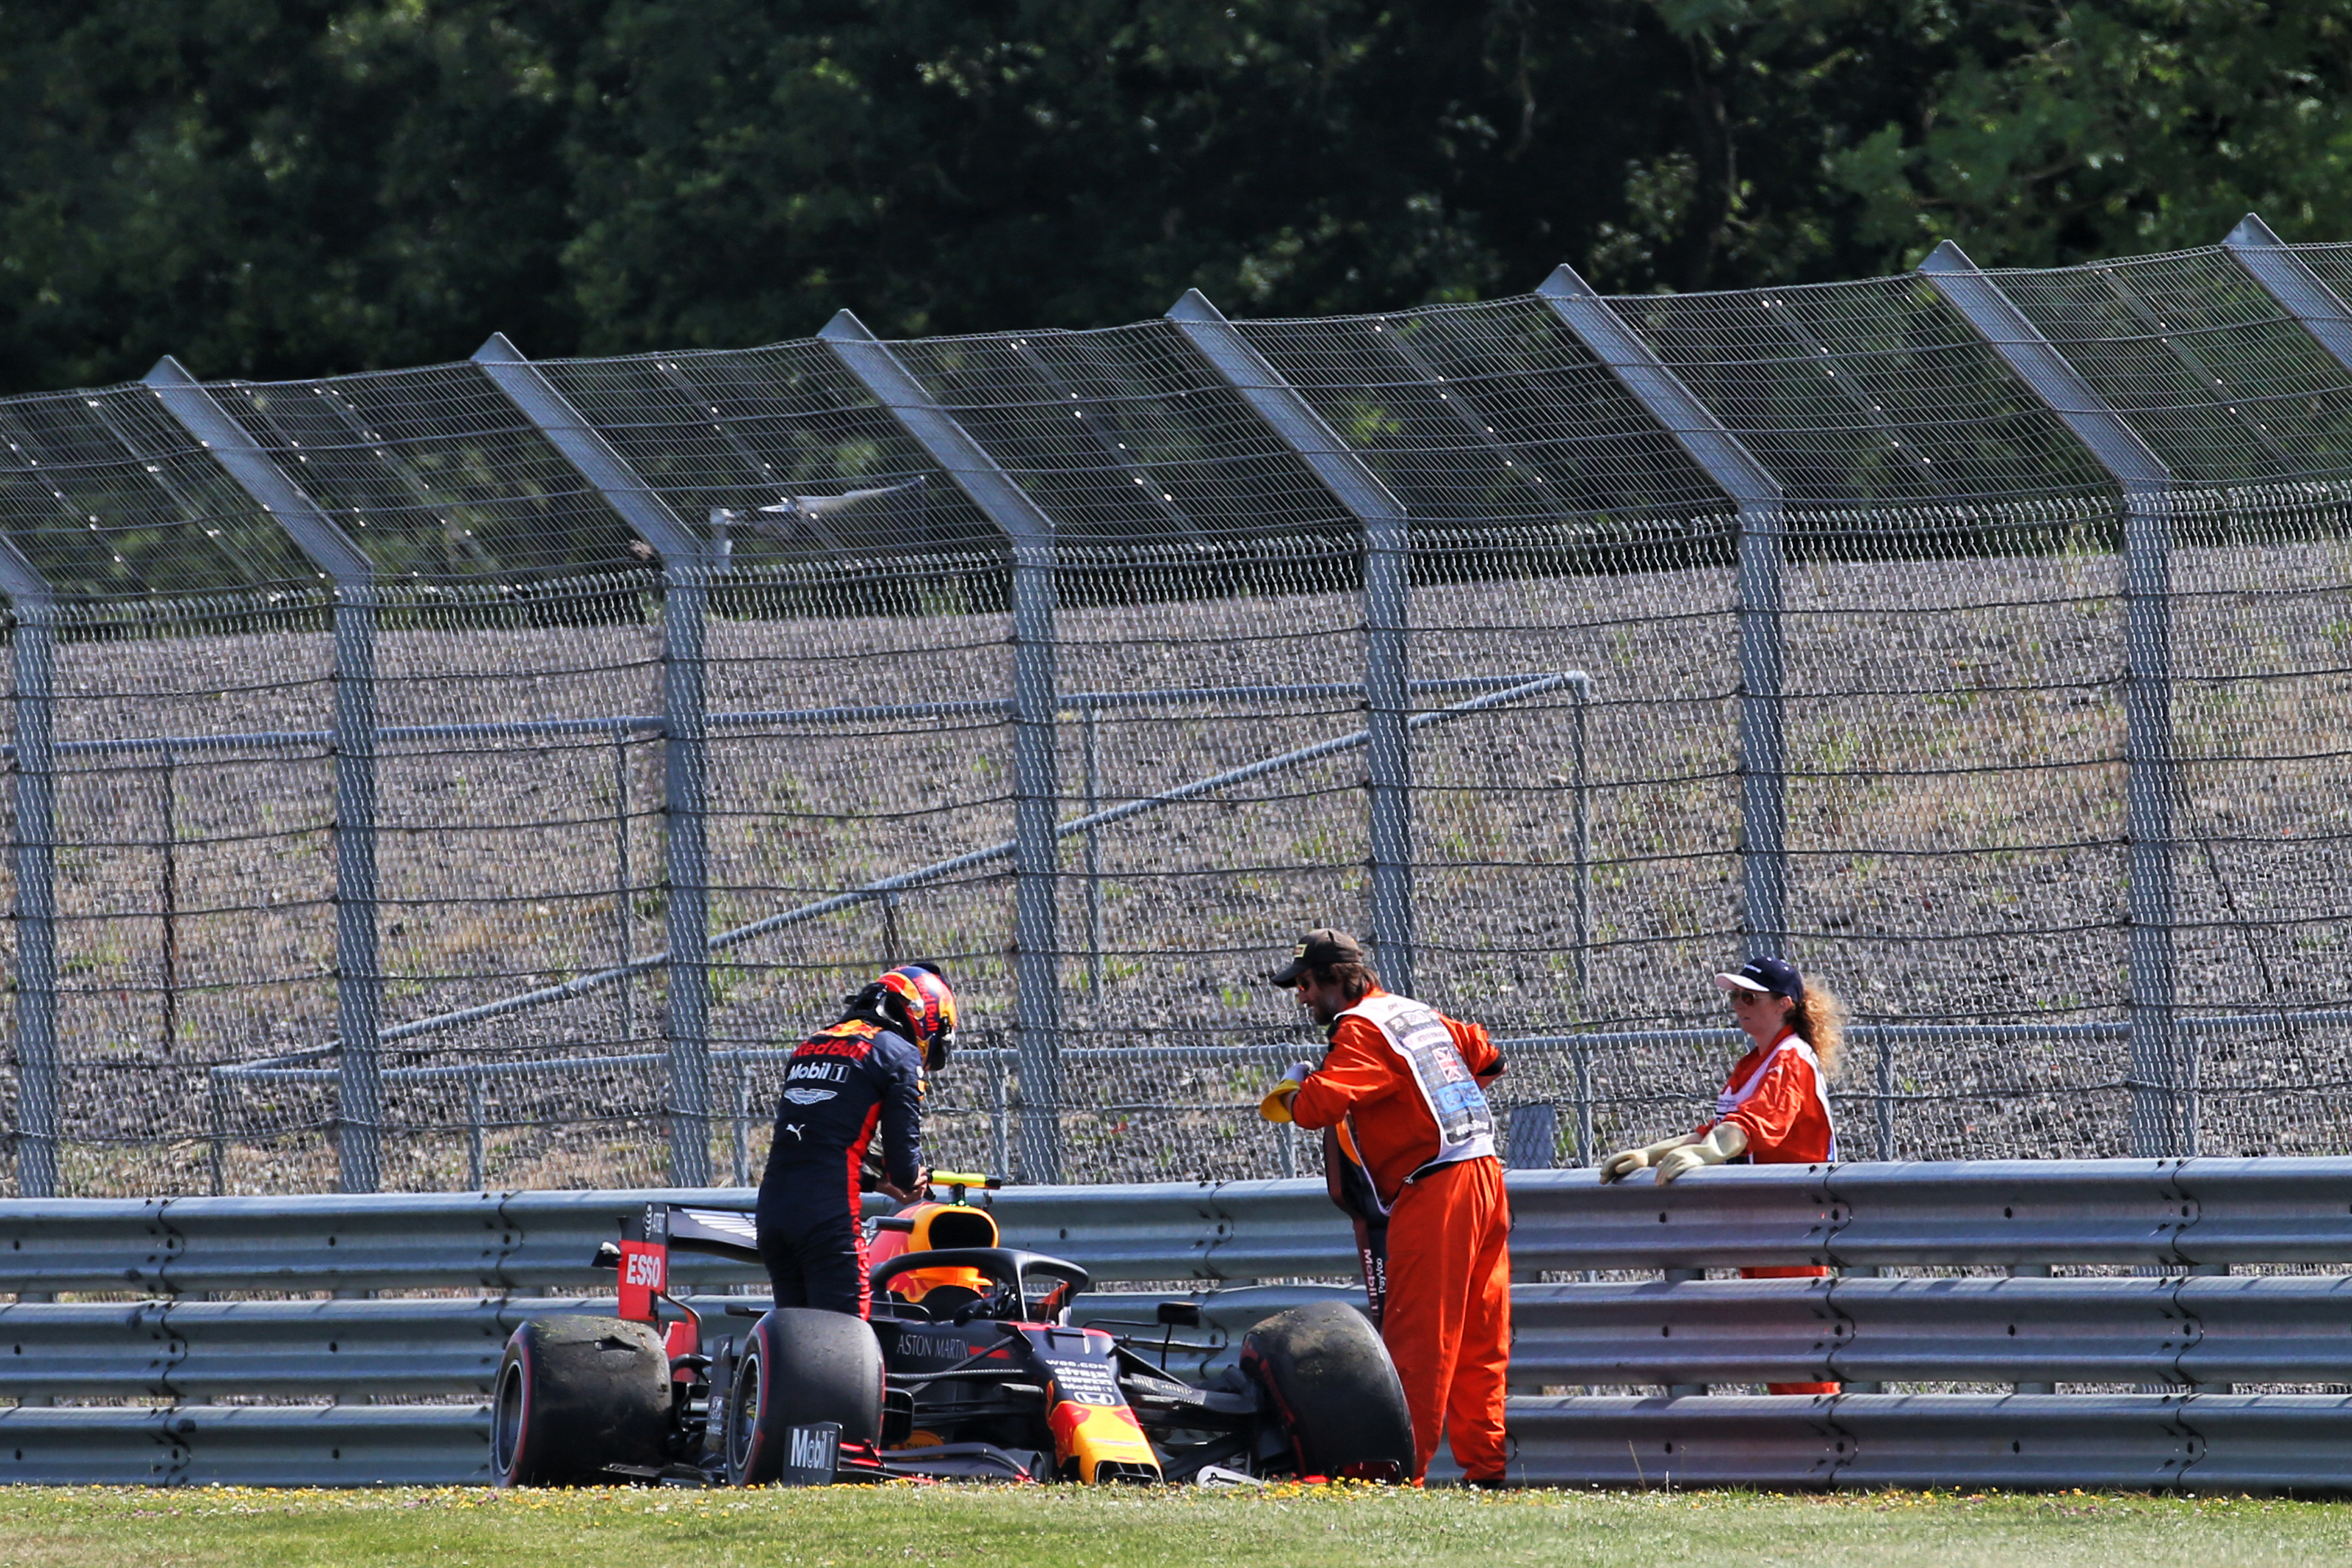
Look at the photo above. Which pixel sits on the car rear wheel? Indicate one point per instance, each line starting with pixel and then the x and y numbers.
pixel 575 1394
pixel 1334 1392
pixel 801 1366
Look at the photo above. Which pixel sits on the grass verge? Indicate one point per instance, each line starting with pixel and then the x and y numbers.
pixel 1282 1526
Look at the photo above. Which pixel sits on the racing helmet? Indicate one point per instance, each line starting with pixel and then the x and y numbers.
pixel 921 993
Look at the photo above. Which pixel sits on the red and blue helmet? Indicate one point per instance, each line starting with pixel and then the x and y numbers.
pixel 927 1002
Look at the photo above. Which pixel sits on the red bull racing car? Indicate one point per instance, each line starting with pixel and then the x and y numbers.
pixel 970 1368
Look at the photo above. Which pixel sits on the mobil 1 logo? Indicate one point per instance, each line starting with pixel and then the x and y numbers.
pixel 811 1455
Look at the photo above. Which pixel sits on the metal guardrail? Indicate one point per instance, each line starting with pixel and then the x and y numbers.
pixel 2168 1325
pixel 2218 1443
pixel 2135 1442
pixel 2179 1215
pixel 2193 1334
pixel 287 1445
pixel 2187 1331
pixel 516 1241
pixel 419 1347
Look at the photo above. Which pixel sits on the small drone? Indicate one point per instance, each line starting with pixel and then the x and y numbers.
pixel 793 514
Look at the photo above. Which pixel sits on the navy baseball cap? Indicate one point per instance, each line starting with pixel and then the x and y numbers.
pixel 1777 977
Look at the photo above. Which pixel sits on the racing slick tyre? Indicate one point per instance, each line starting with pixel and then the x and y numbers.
pixel 576 1394
pixel 799 1366
pixel 1334 1392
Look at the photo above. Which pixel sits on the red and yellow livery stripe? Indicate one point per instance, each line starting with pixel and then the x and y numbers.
pixel 1090 1436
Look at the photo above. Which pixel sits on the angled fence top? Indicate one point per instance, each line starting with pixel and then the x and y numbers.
pixel 1877 395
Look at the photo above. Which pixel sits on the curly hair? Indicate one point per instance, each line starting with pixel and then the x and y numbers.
pixel 1819 1018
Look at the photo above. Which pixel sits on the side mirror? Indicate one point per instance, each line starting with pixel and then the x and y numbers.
pixel 1180 1314
pixel 608 1256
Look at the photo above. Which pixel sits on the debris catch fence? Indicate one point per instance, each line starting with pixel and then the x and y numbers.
pixel 472 775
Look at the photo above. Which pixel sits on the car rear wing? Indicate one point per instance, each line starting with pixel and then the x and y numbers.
pixel 723 1233
pixel 643 1259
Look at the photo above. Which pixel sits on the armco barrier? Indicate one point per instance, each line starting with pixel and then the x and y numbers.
pixel 309 1445
pixel 142 1330
pixel 410 1347
pixel 2186 1331
pixel 2209 1442
pixel 513 1241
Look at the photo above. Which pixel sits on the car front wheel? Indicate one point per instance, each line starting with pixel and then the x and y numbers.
pixel 800 1366
pixel 1334 1392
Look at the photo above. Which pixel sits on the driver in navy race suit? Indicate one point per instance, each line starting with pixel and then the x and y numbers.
pixel 848 1080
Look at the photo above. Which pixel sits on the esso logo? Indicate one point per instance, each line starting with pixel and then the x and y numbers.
pixel 643 1269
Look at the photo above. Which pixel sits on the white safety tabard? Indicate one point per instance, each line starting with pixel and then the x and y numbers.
pixel 1466 1123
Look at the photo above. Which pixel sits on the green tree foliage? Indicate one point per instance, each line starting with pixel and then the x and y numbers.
pixel 282 187
pixel 2067 131
pixel 278 186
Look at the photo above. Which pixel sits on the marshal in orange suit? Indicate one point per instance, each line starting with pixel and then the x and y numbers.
pixel 1403 1083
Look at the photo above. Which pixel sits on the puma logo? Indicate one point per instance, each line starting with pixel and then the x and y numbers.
pixel 794 1127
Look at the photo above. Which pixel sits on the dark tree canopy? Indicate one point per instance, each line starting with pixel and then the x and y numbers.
pixel 286 187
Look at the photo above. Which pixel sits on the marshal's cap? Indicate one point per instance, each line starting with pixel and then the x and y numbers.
pixel 1775 976
pixel 1318 949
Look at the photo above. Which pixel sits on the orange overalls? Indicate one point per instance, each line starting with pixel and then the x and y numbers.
pixel 1787 1124
pixel 1448 1321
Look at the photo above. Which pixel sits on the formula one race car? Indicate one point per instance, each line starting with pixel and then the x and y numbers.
pixel 969 1369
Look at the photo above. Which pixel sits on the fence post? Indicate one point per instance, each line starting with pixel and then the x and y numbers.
pixel 1583 1058
pixel 1884 1085
pixel 40 1091
pixel 1000 1138
pixel 1089 720
pixel 2162 1117
pixel 687 570
pixel 216 1125
pixel 739 1146
pixel 359 980
pixel 477 1112
pixel 1387 602
pixel 1757 495
pixel 1581 690
pixel 623 954
pixel 168 800
pixel 1036 715
pixel 2289 280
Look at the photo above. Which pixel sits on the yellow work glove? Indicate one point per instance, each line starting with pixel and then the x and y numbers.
pixel 1626 1162
pixel 1729 1141
pixel 1276 1106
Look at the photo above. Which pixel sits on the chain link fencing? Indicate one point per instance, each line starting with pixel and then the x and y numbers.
pixel 480 775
